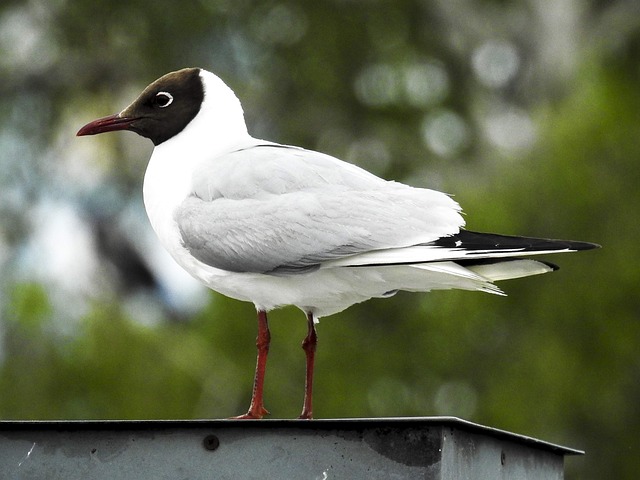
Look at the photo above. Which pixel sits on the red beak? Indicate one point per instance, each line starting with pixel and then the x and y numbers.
pixel 111 123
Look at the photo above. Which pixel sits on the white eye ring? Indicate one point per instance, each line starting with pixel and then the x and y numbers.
pixel 164 95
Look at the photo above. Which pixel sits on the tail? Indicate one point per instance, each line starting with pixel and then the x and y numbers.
pixel 490 256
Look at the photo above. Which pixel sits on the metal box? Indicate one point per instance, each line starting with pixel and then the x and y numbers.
pixel 442 448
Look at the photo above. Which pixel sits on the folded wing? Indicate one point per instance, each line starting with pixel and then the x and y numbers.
pixel 287 210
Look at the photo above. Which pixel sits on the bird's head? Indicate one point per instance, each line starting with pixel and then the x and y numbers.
pixel 168 105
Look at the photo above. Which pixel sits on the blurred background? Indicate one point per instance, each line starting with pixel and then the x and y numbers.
pixel 527 111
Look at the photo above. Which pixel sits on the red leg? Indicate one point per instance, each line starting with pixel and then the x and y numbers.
pixel 256 409
pixel 309 346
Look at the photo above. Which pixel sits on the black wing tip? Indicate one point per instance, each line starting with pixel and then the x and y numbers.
pixel 583 245
pixel 469 240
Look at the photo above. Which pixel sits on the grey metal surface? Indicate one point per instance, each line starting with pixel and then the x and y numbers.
pixel 443 448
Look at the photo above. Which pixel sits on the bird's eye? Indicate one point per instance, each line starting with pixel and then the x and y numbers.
pixel 163 99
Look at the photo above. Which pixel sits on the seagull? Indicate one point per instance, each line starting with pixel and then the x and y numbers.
pixel 279 225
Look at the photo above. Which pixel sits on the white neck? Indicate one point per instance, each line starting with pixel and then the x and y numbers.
pixel 218 127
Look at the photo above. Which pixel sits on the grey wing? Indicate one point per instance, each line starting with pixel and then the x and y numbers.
pixel 267 169
pixel 298 231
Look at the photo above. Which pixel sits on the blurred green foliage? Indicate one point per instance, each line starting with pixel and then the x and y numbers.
pixel 548 148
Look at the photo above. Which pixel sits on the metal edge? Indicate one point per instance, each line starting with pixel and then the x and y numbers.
pixel 318 424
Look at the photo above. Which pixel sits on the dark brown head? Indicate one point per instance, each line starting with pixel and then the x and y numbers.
pixel 161 111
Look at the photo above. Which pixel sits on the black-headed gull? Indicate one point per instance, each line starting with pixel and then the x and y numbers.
pixel 279 225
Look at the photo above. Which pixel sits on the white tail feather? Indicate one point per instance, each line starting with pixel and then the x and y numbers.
pixel 428 253
pixel 510 269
